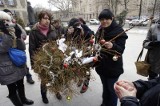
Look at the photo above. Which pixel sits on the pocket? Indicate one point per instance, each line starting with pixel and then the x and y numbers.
pixel 6 68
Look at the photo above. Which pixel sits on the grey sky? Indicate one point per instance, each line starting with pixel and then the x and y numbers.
pixel 43 3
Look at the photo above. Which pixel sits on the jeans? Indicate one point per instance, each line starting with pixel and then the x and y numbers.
pixel 109 96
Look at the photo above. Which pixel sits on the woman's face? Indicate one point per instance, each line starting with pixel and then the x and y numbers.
pixel 45 21
pixel 106 22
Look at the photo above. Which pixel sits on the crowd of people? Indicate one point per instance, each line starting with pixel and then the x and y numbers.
pixel 137 93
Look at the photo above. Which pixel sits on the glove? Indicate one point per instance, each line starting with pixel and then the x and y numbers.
pixel 3 27
pixel 18 31
pixel 155 43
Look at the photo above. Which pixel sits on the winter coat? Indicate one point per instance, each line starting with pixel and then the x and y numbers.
pixel 9 73
pixel 60 31
pixel 153 51
pixel 36 39
pixel 87 32
pixel 106 66
pixel 31 16
pixel 148 93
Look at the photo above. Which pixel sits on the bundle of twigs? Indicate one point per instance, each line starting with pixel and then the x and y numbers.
pixel 60 75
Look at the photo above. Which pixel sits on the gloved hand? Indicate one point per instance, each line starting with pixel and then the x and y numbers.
pixel 3 27
pixel 18 31
pixel 154 43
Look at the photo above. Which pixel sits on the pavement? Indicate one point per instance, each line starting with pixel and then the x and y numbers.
pixel 93 96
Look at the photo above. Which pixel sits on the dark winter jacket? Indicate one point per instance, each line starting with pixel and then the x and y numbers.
pixel 152 43
pixel 148 93
pixel 31 16
pixel 60 31
pixel 36 39
pixel 87 31
pixel 106 66
pixel 9 73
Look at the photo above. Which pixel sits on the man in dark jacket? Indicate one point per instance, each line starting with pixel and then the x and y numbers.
pixel 110 66
pixel 31 16
pixel 138 93
pixel 60 30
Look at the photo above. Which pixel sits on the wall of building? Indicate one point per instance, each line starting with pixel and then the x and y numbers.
pixel 19 7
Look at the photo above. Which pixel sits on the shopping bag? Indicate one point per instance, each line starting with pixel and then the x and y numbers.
pixel 142 67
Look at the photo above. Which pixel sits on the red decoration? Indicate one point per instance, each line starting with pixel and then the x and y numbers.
pixel 65 65
pixel 95 59
pixel 91 41
pixel 102 41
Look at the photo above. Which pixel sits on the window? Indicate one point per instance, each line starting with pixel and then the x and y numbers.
pixel 1 2
pixel 11 2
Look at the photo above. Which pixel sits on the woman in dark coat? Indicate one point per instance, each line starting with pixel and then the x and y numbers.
pixel 41 33
pixel 109 69
pixel 152 43
pixel 10 74
pixel 138 93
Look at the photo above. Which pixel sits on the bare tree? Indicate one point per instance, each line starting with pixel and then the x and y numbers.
pixel 112 5
pixel 154 8
pixel 63 5
pixel 140 9
pixel 125 3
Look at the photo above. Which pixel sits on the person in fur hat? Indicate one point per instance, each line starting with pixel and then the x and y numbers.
pixel 11 75
pixel 21 33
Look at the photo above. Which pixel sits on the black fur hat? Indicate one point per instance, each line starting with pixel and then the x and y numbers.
pixel 74 22
pixel 7 10
pixel 105 14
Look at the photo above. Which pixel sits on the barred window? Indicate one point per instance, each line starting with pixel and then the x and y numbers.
pixel 11 2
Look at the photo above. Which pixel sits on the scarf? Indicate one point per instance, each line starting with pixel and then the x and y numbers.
pixel 43 29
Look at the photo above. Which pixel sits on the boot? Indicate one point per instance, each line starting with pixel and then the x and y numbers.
pixel 44 97
pixel 58 96
pixel 15 100
pixel 85 86
pixel 23 96
pixel 44 94
pixel 30 80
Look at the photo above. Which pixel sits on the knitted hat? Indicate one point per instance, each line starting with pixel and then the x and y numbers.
pixel 105 14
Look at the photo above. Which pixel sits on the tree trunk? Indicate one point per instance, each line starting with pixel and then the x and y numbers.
pixel 140 9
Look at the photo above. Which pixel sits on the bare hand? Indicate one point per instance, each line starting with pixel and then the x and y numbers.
pixel 108 45
pixel 125 88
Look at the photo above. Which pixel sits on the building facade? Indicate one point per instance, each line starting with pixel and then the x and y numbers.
pixel 89 9
pixel 18 7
